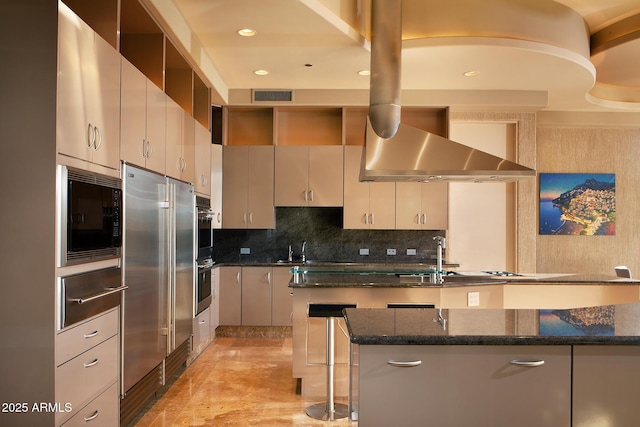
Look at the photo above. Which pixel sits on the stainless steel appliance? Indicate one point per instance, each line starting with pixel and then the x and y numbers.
pixel 204 260
pixel 159 269
pixel 87 294
pixel 90 216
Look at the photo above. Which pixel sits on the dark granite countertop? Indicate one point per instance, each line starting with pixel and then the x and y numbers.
pixel 418 276
pixel 606 325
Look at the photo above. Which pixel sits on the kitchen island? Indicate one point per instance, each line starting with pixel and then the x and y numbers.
pixel 498 367
pixel 382 286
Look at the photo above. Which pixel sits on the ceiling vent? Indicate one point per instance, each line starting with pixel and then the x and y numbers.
pixel 259 95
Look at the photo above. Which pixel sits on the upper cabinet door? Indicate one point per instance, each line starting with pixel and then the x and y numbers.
pixel 260 210
pixel 202 183
pixel 133 120
pixel 216 184
pixel 367 205
pixel 156 134
pixel 88 120
pixel 325 175
pixel 174 162
pixel 308 175
pixel 421 206
pixel 235 183
pixel 291 175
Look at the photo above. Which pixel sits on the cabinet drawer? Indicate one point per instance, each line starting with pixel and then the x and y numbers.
pixel 84 377
pixel 102 411
pixel 200 329
pixel 84 336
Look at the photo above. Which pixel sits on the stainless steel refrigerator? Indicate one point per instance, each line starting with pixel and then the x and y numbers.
pixel 159 270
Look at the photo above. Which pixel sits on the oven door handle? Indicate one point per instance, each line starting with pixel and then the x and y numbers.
pixel 109 291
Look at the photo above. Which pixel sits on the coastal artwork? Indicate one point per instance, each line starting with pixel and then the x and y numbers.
pixel 578 204
pixel 589 321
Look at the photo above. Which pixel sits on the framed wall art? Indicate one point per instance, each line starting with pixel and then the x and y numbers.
pixel 577 204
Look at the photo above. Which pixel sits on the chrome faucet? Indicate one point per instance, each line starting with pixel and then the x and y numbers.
pixel 290 257
pixel 440 320
pixel 303 255
pixel 441 241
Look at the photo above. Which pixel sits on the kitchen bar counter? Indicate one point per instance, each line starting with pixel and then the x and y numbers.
pixel 407 326
pixel 504 367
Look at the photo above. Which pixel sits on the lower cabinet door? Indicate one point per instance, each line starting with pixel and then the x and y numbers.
pixel 606 383
pixel 498 386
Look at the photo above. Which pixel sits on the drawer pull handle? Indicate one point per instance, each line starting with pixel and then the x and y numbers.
pixel 108 291
pixel 90 364
pixel 92 417
pixel 401 364
pixel 528 363
pixel 91 335
pixel 201 322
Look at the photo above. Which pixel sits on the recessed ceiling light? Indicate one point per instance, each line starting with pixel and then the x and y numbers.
pixel 472 73
pixel 364 73
pixel 260 72
pixel 247 32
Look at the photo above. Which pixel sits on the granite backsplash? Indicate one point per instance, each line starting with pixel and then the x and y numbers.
pixel 326 240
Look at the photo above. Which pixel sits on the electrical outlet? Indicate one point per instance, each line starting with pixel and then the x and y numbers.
pixel 245 251
pixel 364 251
pixel 473 299
pixel 391 251
pixel 411 252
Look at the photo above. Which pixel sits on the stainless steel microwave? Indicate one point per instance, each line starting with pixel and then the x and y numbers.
pixel 90 216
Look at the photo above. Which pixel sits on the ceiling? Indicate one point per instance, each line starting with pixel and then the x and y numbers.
pixel 562 55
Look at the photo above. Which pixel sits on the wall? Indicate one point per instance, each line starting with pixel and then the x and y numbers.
pixel 326 240
pixel 28 47
pixel 593 150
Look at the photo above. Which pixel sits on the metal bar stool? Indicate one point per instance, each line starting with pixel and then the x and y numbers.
pixel 329 410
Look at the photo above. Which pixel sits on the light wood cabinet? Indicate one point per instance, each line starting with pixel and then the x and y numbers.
pixel 281 298
pixel 88 109
pixel 143 116
pixel 308 175
pixel 256 296
pixel 201 332
pixel 606 381
pixel 180 150
pixel 86 371
pixel 202 184
pixel 230 296
pixel 216 185
pixel 214 308
pixel 367 205
pixel 247 192
pixel 421 206
pixel 464 385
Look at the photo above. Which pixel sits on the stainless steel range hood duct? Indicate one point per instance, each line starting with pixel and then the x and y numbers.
pixel 384 83
pixel 397 152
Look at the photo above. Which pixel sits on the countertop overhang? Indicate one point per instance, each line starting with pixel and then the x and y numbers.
pixel 409 326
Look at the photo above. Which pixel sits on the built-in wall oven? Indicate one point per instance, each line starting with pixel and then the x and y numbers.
pixel 204 258
pixel 90 213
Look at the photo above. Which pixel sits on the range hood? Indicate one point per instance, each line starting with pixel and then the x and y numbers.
pixel 415 155
pixel 397 152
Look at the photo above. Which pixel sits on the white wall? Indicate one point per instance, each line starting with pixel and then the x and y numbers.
pixel 481 234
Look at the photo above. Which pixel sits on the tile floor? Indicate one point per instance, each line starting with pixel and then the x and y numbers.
pixel 236 382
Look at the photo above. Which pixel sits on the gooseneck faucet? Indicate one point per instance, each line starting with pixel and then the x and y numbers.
pixel 441 241
pixel 303 255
